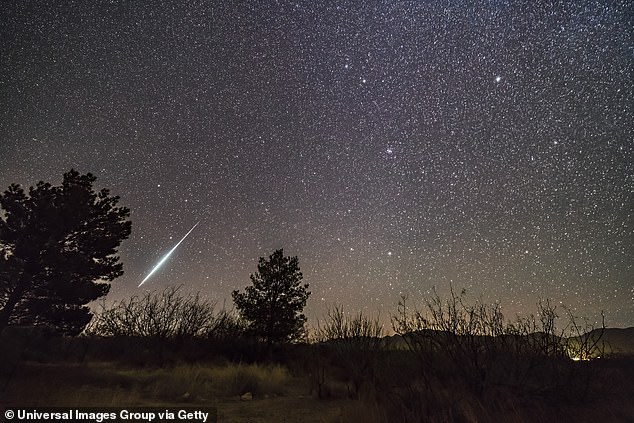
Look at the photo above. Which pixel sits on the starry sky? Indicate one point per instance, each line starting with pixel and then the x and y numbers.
pixel 393 146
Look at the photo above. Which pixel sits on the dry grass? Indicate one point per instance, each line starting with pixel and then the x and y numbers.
pixel 259 380
pixel 279 395
pixel 392 387
pixel 108 384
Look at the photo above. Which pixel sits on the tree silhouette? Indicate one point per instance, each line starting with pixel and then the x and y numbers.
pixel 57 251
pixel 273 305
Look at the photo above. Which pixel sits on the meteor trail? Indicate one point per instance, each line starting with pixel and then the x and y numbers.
pixel 166 256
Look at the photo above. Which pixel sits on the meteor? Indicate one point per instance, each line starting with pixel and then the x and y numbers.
pixel 166 256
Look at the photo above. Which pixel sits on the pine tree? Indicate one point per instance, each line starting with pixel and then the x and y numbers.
pixel 273 305
pixel 57 251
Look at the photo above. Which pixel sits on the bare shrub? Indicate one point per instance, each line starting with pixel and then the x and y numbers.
pixel 354 341
pixel 359 330
pixel 455 330
pixel 475 344
pixel 164 315
pixel 584 341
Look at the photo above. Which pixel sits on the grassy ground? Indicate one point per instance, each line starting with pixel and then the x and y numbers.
pixel 278 396
pixel 307 384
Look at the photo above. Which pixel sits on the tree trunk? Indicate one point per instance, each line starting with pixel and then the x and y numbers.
pixel 14 297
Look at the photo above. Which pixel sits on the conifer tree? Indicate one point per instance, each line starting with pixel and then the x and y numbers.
pixel 272 306
pixel 58 248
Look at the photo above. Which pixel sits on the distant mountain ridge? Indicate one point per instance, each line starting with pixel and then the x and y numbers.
pixel 616 340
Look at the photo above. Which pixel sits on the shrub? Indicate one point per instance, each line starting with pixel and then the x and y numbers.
pixel 165 315
pixel 355 342
pixel 477 346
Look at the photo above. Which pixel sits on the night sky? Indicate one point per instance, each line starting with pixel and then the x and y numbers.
pixel 393 146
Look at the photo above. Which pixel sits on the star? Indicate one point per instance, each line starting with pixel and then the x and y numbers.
pixel 493 158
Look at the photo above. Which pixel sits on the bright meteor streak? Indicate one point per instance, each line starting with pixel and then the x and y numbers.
pixel 166 256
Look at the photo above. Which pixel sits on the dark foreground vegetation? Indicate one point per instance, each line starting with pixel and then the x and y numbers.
pixel 450 361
